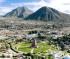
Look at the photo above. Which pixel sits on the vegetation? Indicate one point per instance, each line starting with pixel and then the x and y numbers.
pixel 42 47
pixel 45 41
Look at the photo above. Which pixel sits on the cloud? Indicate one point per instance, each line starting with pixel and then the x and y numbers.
pixel 4 10
pixel 61 5
pixel 1 1
pixel 32 5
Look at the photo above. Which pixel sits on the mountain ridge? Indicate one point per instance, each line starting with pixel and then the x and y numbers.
pixel 48 14
pixel 20 12
pixel 43 14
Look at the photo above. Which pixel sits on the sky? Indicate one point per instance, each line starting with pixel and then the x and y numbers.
pixel 60 5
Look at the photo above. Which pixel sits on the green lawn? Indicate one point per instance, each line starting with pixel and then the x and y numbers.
pixel 42 47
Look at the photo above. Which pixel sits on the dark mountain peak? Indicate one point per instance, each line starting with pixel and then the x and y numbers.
pixel 20 12
pixel 48 14
pixel 44 13
pixel 44 8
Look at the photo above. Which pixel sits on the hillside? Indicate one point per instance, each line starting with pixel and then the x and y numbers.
pixel 44 13
pixel 20 12
pixel 48 14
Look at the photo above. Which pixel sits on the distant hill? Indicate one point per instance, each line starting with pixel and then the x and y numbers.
pixel 48 14
pixel 20 12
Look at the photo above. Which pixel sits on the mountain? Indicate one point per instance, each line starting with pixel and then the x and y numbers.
pixel 20 12
pixel 48 14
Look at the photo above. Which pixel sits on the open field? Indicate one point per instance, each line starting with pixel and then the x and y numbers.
pixel 42 48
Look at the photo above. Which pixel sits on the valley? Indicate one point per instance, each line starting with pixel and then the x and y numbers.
pixel 19 34
pixel 44 34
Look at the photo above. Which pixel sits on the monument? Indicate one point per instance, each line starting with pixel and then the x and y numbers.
pixel 34 44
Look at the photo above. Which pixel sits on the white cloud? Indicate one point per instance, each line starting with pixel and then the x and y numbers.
pixel 61 5
pixel 2 1
pixel 32 5
pixel 37 5
pixel 4 10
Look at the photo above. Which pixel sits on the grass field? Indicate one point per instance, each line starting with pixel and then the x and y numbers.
pixel 42 48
